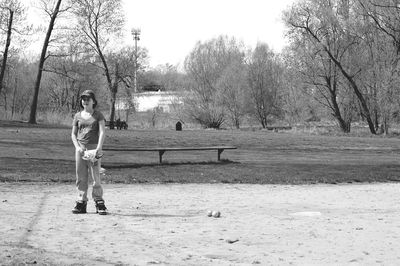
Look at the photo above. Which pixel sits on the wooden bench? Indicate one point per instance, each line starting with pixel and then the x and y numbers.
pixel 279 128
pixel 162 150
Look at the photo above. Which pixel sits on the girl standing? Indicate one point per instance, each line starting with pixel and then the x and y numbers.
pixel 88 134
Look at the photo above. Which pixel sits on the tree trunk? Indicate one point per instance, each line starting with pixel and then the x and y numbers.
pixel 364 106
pixel 5 54
pixel 343 124
pixel 263 121
pixel 112 106
pixel 14 98
pixel 376 118
pixel 127 113
pixel 5 105
pixel 113 92
pixel 32 116
pixel 237 122
pixel 365 110
pixel 386 126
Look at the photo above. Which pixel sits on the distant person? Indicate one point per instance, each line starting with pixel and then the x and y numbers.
pixel 88 133
pixel 119 124
pixel 124 125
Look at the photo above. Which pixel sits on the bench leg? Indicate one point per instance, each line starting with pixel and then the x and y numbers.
pixel 219 154
pixel 160 154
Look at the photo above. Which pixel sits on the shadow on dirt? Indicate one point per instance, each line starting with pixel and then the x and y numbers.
pixel 139 165
pixel 147 215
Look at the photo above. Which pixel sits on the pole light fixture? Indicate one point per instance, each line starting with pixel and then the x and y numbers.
pixel 136 37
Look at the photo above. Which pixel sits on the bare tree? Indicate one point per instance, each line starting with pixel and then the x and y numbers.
pixel 205 66
pixel 128 59
pixel 233 89
pixel 294 100
pixel 383 43
pixel 66 78
pixel 168 77
pixel 53 9
pixel 386 17
pixel 318 22
pixel 97 22
pixel 12 16
pixel 18 79
pixel 321 80
pixel 8 7
pixel 264 78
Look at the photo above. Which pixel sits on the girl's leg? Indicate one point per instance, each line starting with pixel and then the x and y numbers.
pixel 97 192
pixel 82 182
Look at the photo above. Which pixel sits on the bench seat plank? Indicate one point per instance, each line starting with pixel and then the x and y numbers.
pixel 162 150
pixel 169 148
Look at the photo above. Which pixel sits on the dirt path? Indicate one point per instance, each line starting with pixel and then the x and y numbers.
pixel 168 224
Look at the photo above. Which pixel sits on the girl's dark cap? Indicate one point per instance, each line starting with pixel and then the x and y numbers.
pixel 88 93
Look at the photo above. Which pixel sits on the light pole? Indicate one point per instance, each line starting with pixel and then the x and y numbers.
pixel 136 37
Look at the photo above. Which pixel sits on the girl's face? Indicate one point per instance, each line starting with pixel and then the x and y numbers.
pixel 87 101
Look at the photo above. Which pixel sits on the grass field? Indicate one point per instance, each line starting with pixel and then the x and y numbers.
pixel 154 222
pixel 45 153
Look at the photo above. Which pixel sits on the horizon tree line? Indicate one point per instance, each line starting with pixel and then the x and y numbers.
pixel 341 63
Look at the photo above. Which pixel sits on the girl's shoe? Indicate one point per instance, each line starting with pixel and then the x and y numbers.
pixel 80 207
pixel 100 207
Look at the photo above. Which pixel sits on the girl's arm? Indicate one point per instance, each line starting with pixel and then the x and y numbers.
pixel 74 133
pixel 102 127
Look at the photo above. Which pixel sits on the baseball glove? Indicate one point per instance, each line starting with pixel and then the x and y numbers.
pixel 92 155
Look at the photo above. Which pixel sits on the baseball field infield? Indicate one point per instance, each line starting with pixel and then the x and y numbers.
pixel 153 224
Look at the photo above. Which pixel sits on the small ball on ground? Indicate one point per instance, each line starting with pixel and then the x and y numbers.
pixel 216 214
pixel 209 213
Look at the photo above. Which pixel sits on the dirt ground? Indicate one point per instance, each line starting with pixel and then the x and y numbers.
pixel 354 224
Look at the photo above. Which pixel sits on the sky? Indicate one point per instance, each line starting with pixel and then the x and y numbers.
pixel 170 29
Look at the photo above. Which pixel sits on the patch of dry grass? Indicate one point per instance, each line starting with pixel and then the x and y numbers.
pixel 45 153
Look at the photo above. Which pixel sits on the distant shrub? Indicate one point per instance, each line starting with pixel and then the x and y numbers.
pixel 55 118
